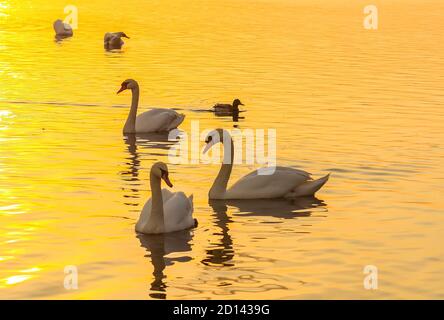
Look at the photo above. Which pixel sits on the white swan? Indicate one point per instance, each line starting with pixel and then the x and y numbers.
pixel 62 29
pixel 283 183
pixel 113 40
pixel 165 211
pixel 155 120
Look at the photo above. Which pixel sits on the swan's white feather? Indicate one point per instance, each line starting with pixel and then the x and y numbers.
pixel 158 120
pixel 276 185
pixel 178 213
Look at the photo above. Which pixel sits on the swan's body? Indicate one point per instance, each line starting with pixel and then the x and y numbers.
pixel 113 40
pixel 284 182
pixel 165 211
pixel 158 120
pixel 228 108
pixel 178 209
pixel 155 120
pixel 62 29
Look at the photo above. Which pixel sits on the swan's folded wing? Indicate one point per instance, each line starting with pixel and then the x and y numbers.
pixel 178 212
pixel 280 169
pixel 144 216
pixel 156 120
pixel 146 211
pixel 278 184
pixel 176 121
pixel 166 195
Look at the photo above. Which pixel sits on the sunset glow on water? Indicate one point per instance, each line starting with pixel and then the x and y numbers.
pixel 363 105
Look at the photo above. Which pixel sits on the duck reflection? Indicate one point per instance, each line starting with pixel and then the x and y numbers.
pixel 159 247
pixel 234 115
pixel 222 252
pixel 154 143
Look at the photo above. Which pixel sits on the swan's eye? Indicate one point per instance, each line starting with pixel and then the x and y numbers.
pixel 208 140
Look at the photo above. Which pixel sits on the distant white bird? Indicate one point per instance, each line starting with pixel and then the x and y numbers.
pixel 165 211
pixel 113 40
pixel 62 29
pixel 155 120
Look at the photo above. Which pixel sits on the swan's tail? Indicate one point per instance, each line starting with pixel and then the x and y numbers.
pixel 176 122
pixel 308 188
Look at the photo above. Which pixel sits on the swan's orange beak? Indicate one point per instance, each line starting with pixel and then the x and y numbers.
pixel 122 88
pixel 166 179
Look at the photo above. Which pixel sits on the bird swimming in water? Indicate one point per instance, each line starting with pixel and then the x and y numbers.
pixel 228 108
pixel 113 40
pixel 62 29
pixel 154 120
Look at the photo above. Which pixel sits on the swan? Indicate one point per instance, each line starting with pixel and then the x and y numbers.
pixel 62 29
pixel 165 211
pixel 227 108
pixel 155 120
pixel 285 182
pixel 113 40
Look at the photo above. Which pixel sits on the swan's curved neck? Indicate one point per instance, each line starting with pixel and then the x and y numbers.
pixel 130 124
pixel 219 187
pixel 156 216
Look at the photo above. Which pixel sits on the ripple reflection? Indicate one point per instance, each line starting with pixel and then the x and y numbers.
pixel 159 247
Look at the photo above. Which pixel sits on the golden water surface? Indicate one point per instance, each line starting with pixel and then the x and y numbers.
pixel 365 105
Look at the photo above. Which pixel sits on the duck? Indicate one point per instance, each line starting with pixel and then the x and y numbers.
pixel 165 211
pixel 264 183
pixel 228 108
pixel 154 120
pixel 113 40
pixel 62 29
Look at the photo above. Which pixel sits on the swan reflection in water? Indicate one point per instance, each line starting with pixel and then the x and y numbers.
pixel 154 144
pixel 278 208
pixel 222 252
pixel 159 246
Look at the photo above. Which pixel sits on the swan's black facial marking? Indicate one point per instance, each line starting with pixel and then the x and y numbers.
pixel 164 176
pixel 123 87
pixel 208 139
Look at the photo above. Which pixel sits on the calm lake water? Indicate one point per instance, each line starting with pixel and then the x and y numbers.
pixel 365 105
